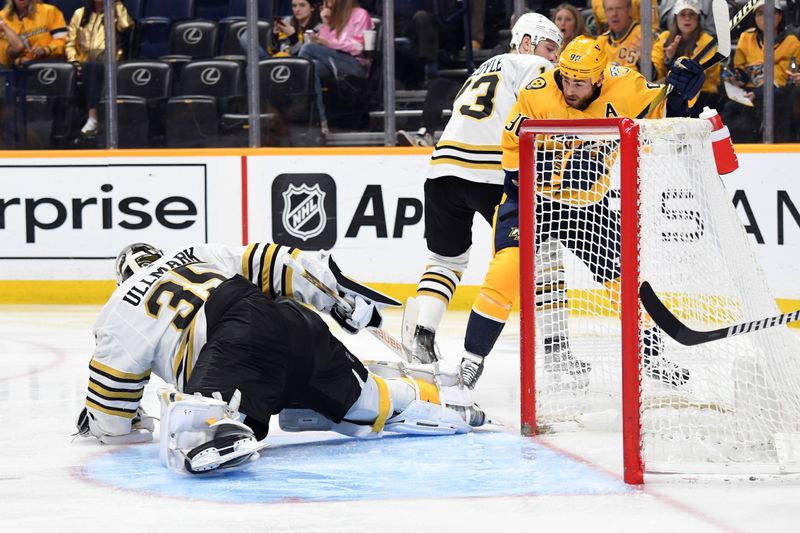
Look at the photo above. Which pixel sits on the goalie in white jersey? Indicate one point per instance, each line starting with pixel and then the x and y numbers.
pixel 465 175
pixel 213 319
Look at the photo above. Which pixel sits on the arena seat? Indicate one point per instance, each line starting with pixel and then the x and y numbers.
pixel 49 88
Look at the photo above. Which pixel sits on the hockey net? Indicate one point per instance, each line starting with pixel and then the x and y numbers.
pixel 618 202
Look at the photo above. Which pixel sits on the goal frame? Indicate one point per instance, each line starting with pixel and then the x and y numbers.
pixel 628 132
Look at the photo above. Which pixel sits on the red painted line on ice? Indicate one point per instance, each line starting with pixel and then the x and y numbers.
pixel 60 356
pixel 646 489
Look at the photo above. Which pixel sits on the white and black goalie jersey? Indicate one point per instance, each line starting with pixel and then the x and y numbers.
pixel 470 145
pixel 155 321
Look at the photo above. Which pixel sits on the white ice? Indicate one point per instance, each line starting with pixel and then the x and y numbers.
pixel 47 481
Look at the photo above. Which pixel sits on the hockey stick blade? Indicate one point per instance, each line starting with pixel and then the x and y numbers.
pixel 683 334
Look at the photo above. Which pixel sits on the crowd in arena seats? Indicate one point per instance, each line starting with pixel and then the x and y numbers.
pixel 181 75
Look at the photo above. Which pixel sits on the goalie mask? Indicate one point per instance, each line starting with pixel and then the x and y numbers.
pixel 134 257
pixel 537 27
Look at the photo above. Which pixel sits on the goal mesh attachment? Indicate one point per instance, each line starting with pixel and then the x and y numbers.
pixel 604 205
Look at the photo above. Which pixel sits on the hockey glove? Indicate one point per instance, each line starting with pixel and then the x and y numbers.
pixel 686 77
pixel 142 427
pixel 365 314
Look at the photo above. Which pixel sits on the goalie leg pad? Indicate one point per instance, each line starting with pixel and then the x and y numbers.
pixel 200 426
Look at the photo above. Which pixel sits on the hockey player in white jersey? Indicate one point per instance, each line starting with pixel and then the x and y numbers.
pixel 216 320
pixel 465 175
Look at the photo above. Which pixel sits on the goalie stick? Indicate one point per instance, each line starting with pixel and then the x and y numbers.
pixel 379 333
pixel 682 333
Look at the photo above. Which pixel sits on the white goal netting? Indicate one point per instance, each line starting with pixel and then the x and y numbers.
pixel 727 405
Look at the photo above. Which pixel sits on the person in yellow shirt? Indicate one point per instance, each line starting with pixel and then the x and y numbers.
pixel 601 20
pixel 686 37
pixel 744 122
pixel 623 40
pixel 40 28
pixel 86 45
pixel 583 86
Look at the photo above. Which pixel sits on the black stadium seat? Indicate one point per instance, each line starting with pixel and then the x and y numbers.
pixel 49 98
pixel 194 39
pixel 205 90
pixel 287 87
pixel 211 9
pixel 151 38
pixel 231 33
pixel 142 88
pixel 135 8
pixel 171 9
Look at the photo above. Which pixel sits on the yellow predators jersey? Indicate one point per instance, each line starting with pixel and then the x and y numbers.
pixel 749 56
pixel 625 50
pixel 624 93
pixel 156 322
pixel 711 85
pixel 602 22
pixel 46 27
pixel 470 144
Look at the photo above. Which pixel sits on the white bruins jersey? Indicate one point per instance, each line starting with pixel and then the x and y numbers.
pixel 155 321
pixel 470 145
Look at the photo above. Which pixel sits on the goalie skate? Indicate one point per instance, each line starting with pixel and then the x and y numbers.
pixel 233 447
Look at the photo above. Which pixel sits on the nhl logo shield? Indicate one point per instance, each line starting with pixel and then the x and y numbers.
pixel 304 211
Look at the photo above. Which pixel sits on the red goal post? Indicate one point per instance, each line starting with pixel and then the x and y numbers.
pixel 628 132
pixel 618 202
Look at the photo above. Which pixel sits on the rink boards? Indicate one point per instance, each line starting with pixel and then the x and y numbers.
pixel 63 219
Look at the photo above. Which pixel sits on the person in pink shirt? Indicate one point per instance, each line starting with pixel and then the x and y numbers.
pixel 338 49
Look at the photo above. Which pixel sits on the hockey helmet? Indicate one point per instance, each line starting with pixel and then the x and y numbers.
pixel 537 27
pixel 135 257
pixel 583 58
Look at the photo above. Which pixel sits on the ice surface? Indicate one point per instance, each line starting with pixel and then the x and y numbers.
pixel 487 482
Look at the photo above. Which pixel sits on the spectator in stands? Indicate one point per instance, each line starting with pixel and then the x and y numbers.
pixel 571 23
pixel 10 44
pixel 744 122
pixel 39 27
pixel 686 37
pixel 290 31
pixel 338 49
pixel 666 8
pixel 601 20
pixel 86 45
pixel 430 34
pixel 623 40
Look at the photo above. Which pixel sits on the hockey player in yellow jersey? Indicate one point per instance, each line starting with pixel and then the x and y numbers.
pixel 465 175
pixel 582 86
pixel 623 40
pixel 226 321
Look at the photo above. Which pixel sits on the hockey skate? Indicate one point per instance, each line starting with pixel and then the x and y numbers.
pixel 658 367
pixel 471 369
pixel 423 348
pixel 558 359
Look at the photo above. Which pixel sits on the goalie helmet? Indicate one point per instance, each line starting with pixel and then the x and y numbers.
pixel 135 257
pixel 537 27
pixel 583 58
